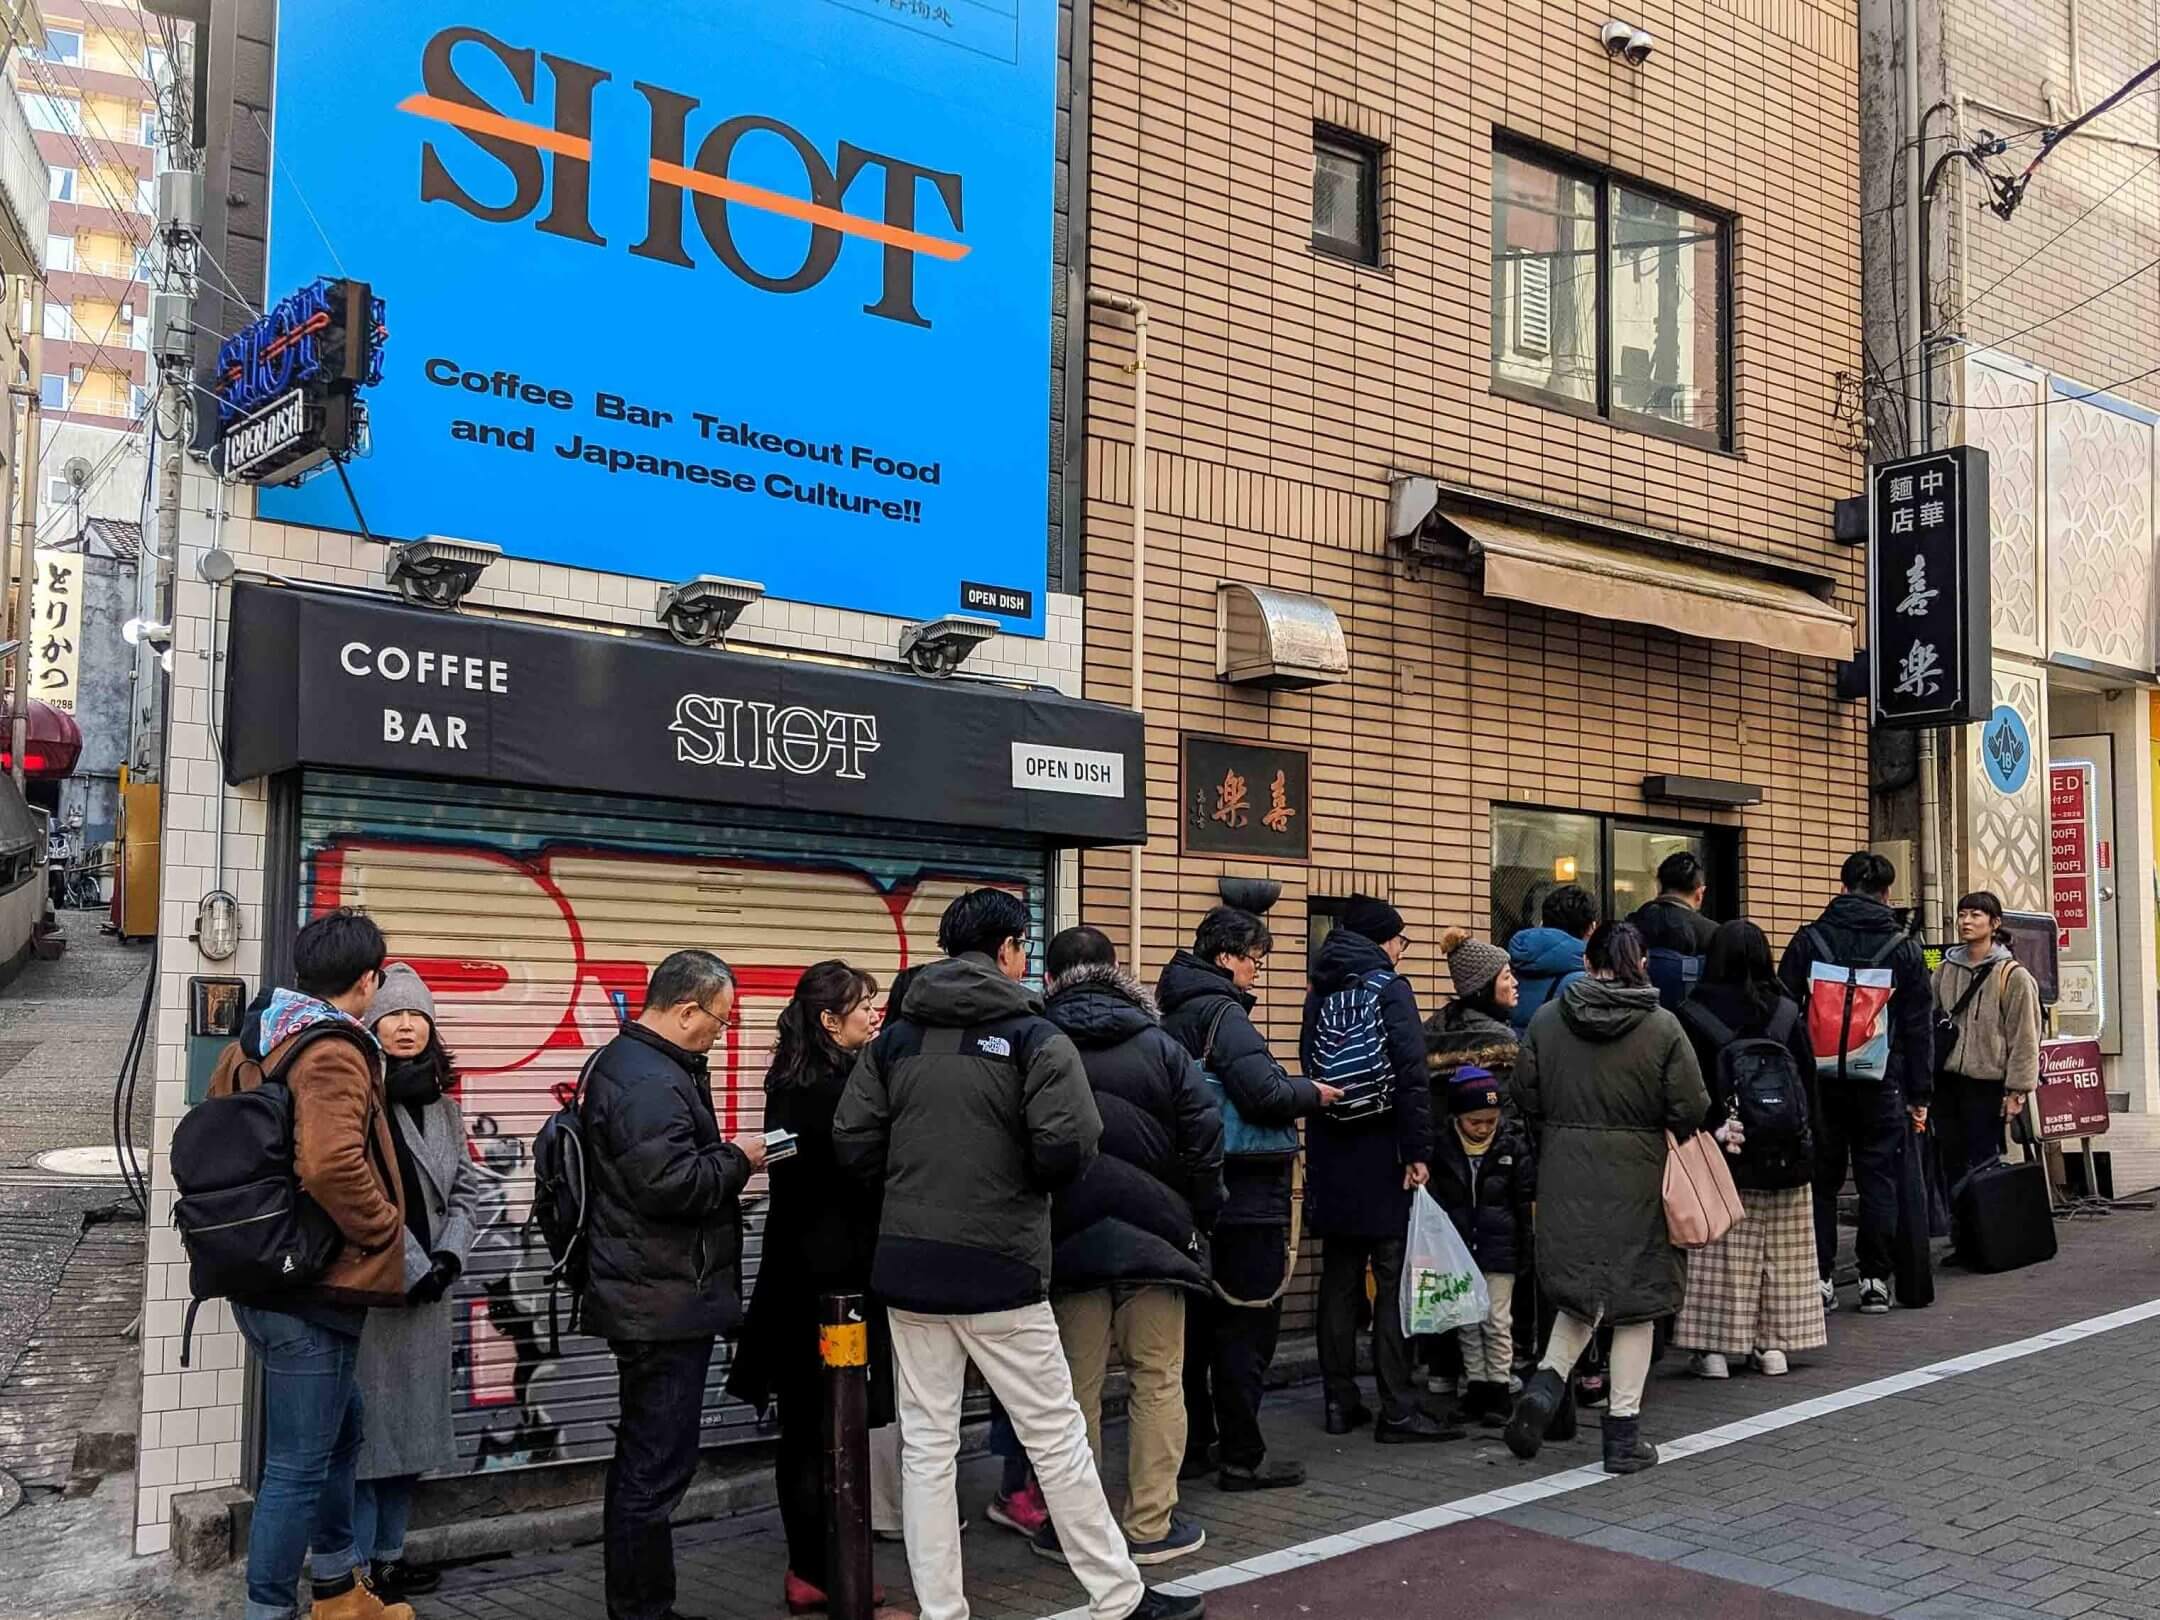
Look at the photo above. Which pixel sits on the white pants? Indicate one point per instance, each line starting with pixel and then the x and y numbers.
pixel 885 1480
pixel 1023 1360
pixel 1488 1347
pixel 1631 1348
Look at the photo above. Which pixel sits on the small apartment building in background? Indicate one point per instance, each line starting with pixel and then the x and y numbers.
pixel 1524 363
pixel 91 95
pixel 2042 335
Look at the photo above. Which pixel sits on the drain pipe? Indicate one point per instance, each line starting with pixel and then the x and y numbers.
pixel 1137 312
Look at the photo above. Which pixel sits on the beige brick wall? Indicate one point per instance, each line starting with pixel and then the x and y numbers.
pixel 1286 386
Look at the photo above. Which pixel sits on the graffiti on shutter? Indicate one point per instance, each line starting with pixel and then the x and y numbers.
pixel 535 920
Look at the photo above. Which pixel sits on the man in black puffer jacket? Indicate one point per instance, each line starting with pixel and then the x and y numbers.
pixel 1127 1233
pixel 1207 1001
pixel 665 1228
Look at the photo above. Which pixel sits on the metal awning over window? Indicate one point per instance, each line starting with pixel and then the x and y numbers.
pixel 1690 598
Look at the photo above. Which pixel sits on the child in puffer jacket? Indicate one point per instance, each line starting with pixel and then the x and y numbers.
pixel 1484 1176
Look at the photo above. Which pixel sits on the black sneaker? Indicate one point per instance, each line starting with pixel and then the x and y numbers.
pixel 1271 1475
pixel 1181 1538
pixel 395 1580
pixel 1342 1419
pixel 1200 1461
pixel 1046 1544
pixel 1156 1605
pixel 1418 1429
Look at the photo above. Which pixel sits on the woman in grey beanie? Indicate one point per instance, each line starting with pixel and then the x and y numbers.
pixel 405 1354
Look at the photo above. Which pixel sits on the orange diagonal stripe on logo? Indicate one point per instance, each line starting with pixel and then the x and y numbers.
pixel 482 122
pixel 779 202
pixel 776 202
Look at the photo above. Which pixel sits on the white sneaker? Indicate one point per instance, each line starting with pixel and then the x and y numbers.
pixel 1770 1363
pixel 1708 1364
pixel 1874 1296
pixel 1829 1294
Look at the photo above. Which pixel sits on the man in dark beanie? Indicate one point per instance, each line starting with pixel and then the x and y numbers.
pixel 1362 1034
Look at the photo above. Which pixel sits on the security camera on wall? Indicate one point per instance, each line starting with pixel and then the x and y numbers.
pixel 1624 42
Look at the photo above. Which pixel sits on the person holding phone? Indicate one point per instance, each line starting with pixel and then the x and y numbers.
pixel 820 1237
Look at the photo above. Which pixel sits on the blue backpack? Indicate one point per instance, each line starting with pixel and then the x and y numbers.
pixel 1350 1050
pixel 1241 1138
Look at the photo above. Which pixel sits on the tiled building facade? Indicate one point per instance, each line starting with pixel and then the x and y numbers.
pixel 2043 327
pixel 1291 387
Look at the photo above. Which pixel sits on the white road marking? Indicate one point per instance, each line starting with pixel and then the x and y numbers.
pixel 1487 1503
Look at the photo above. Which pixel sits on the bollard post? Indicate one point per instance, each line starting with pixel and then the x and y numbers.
pixel 844 1352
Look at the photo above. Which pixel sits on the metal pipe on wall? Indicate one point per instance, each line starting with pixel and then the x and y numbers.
pixel 1920 432
pixel 26 493
pixel 1137 312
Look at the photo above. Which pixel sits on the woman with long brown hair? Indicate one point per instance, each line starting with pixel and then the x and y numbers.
pixel 820 1235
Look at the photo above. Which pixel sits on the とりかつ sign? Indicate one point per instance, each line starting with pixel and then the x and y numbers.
pixel 759 290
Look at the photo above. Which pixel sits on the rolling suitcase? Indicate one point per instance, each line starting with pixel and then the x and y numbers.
pixel 2001 1212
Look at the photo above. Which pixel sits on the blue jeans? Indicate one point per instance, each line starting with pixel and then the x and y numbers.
pixel 311 1440
pixel 381 1508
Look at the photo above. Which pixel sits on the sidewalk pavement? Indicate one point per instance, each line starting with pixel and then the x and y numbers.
pixel 2024 1487
pixel 1923 1497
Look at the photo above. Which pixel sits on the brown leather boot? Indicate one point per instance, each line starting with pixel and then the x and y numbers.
pixel 360 1603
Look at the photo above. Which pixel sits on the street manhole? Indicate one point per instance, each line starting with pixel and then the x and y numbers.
pixel 102 1162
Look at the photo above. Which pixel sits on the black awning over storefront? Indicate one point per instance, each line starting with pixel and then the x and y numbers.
pixel 328 679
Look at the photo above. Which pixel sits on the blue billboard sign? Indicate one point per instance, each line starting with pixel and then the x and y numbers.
pixel 747 287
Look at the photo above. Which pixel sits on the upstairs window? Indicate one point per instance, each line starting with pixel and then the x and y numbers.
pixel 1346 195
pixel 62 45
pixel 1610 299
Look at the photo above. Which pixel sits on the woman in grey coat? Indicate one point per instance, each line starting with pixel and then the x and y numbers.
pixel 405 1354
pixel 1604 1072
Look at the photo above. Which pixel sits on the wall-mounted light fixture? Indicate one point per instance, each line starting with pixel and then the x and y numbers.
pixel 1624 42
pixel 701 611
pixel 436 570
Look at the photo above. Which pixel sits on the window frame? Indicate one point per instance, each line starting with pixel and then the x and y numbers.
pixel 1722 843
pixel 62 182
pixel 1369 155
pixel 45 402
pixel 1602 181
pixel 46 53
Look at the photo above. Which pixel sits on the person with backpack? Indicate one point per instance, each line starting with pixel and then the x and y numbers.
pixel 1675 932
pixel 406 1355
pixel 1369 1150
pixel 664 1233
pixel 1987 1038
pixel 1547 960
pixel 1751 1294
pixel 1605 1075
pixel 970 1111
pixel 1128 1235
pixel 1484 1174
pixel 820 1235
pixel 1206 995
pixel 306 1341
pixel 1863 988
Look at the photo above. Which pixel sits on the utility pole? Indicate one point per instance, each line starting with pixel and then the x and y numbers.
pixel 26 500
pixel 1920 438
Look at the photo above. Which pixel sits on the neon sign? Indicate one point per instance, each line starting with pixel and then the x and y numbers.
pixel 286 384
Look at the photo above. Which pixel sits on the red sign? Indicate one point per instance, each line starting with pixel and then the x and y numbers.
pixel 2107 856
pixel 2072 1099
pixel 2066 793
pixel 2066 846
pixel 2072 908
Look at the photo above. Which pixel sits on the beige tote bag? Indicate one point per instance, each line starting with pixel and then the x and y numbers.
pixel 1701 1202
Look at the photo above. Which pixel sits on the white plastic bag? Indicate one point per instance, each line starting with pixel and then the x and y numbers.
pixel 1442 1287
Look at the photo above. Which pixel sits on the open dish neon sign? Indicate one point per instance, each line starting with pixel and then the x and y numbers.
pixel 327 335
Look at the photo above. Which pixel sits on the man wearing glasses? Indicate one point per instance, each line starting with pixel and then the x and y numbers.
pixel 664 1229
pixel 1206 996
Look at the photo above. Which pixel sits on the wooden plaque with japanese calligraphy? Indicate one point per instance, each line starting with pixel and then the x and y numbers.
pixel 1244 799
pixel 1929 654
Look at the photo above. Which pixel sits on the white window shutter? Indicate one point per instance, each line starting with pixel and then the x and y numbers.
pixel 1533 306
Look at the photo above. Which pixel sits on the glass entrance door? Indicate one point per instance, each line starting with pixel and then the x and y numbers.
pixel 1638 848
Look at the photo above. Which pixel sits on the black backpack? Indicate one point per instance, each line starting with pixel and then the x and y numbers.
pixel 1675 973
pixel 1765 1084
pixel 249 1229
pixel 561 1197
